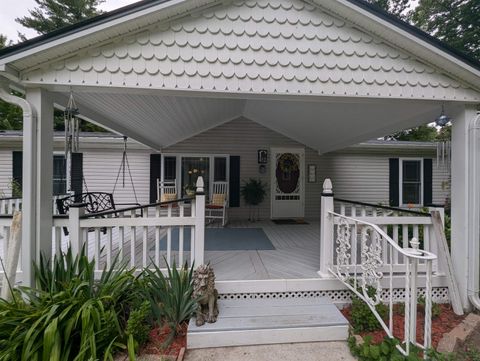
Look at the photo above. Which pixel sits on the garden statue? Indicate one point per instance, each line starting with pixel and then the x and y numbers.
pixel 206 295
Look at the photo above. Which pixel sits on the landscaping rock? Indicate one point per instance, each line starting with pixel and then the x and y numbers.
pixel 468 332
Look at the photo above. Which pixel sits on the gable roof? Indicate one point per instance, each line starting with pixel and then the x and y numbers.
pixel 147 4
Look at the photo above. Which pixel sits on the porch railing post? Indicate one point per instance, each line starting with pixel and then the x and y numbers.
pixel 199 222
pixel 74 229
pixel 326 229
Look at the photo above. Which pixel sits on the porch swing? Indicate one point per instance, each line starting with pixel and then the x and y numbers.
pixel 93 202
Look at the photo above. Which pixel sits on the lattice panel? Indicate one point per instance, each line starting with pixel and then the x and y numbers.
pixel 440 295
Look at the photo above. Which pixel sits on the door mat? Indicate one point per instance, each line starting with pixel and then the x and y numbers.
pixel 289 221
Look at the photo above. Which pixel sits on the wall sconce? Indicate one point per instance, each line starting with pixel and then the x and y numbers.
pixel 262 156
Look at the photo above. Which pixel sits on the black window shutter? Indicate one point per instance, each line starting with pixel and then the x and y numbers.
pixel 394 182
pixel 17 173
pixel 234 183
pixel 155 173
pixel 76 174
pixel 427 182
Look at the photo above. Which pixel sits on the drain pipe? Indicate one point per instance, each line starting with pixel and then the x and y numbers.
pixel 29 199
pixel 474 214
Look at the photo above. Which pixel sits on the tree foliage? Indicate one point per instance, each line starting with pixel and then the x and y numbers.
pixel 457 22
pixel 422 133
pixel 50 15
pixel 395 7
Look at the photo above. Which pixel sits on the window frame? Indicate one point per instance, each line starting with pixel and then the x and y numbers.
pixel 211 170
pixel 400 181
pixel 59 154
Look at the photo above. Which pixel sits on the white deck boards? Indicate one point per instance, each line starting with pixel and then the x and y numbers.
pixel 264 321
pixel 296 254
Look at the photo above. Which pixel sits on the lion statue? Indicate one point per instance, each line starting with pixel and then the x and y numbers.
pixel 206 295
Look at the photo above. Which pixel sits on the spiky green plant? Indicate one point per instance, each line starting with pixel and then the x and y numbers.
pixel 171 295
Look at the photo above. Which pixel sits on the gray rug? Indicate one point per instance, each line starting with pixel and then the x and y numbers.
pixel 224 239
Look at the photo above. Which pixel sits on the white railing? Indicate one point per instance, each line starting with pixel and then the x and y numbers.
pixel 11 204
pixel 366 250
pixel 159 233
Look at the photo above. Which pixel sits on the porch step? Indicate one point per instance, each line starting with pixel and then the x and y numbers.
pixel 268 321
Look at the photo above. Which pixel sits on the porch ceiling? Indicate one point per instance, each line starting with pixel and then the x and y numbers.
pixel 331 123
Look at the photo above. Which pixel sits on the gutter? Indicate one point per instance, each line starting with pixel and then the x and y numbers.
pixel 473 285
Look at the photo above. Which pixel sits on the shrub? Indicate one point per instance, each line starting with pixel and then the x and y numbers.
pixel 138 327
pixel 171 295
pixel 71 316
pixel 363 318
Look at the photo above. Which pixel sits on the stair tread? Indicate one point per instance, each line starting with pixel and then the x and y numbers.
pixel 261 314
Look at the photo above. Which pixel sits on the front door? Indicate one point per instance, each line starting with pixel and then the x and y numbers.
pixel 288 182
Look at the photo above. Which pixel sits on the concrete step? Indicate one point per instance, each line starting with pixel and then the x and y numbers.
pixel 269 321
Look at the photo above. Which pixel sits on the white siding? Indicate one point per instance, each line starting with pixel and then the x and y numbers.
pixel 5 173
pixel 100 168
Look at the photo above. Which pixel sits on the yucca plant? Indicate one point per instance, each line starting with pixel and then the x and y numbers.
pixel 171 295
pixel 71 316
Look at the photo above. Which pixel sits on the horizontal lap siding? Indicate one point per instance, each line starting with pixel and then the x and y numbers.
pixel 243 137
pixel 5 173
pixel 100 168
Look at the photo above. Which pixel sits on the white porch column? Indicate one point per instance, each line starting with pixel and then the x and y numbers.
pixel 326 229
pixel 38 168
pixel 462 191
pixel 199 248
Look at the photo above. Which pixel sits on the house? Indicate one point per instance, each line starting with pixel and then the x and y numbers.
pixel 298 79
pixel 378 161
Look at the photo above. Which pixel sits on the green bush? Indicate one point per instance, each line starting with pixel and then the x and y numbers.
pixel 138 327
pixel 171 295
pixel 362 316
pixel 387 351
pixel 71 316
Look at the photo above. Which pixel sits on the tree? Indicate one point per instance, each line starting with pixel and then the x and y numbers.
pixel 425 133
pixel 55 14
pixel 396 7
pixel 457 22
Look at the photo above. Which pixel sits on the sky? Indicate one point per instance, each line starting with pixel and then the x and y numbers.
pixel 11 9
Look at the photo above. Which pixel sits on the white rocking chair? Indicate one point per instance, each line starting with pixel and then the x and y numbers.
pixel 167 190
pixel 217 207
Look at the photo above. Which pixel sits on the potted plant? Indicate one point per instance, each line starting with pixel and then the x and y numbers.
pixel 253 192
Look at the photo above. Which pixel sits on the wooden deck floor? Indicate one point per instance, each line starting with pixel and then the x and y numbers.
pixel 296 254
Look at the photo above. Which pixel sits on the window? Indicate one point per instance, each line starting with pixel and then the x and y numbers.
pixel 192 168
pixel 213 168
pixel 59 175
pixel 411 182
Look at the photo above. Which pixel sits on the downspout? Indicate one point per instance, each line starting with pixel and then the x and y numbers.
pixel 474 213
pixel 28 217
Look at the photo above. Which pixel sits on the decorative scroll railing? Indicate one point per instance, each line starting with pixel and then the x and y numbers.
pixel 367 247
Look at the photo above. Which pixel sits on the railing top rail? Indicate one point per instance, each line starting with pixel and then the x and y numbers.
pixel 119 210
pixel 6 216
pixel 419 213
pixel 407 252
pixel 9 198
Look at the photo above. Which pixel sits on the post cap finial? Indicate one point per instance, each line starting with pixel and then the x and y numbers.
pixel 327 187
pixel 200 185
pixel 414 243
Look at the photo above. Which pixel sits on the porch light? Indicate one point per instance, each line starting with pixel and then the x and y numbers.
pixel 443 119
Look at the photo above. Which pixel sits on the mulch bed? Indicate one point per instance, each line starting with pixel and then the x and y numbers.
pixel 156 344
pixel 444 323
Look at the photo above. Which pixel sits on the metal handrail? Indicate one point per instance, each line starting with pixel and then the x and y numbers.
pixel 419 254
pixel 383 207
pixel 371 275
pixel 106 213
